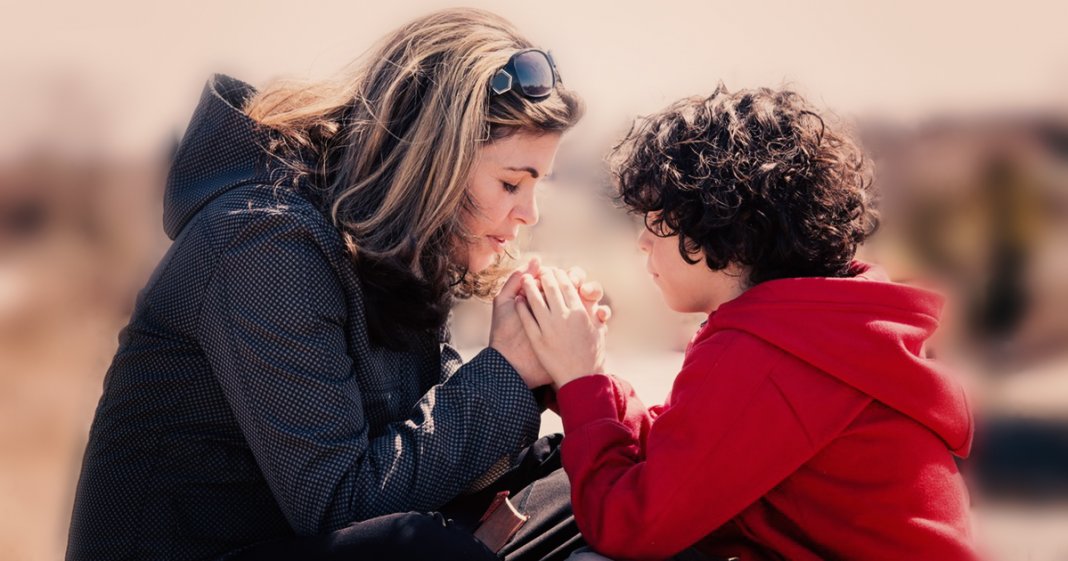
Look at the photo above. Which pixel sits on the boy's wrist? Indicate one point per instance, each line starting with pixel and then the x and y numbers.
pixel 563 379
pixel 587 399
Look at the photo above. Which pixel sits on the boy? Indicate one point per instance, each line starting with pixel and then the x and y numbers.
pixel 806 422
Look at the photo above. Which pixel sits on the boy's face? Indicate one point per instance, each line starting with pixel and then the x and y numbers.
pixel 688 288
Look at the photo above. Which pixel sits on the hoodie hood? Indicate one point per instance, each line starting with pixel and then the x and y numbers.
pixel 864 330
pixel 222 148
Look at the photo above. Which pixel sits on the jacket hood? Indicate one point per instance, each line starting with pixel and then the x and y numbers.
pixel 864 330
pixel 221 149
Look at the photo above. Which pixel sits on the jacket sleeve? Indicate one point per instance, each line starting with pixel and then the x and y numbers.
pixel 273 328
pixel 715 449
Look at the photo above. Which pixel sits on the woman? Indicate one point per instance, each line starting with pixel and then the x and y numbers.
pixel 283 375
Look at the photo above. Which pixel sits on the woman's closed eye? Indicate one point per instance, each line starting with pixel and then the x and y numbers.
pixel 511 188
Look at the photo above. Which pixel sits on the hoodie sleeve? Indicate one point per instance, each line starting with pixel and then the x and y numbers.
pixel 627 409
pixel 273 328
pixel 722 442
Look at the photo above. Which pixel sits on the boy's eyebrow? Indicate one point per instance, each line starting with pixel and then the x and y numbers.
pixel 533 172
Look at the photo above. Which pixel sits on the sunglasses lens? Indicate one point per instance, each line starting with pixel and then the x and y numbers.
pixel 534 74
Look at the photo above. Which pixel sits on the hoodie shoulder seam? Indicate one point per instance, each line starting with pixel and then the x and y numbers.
pixel 790 402
pixel 256 207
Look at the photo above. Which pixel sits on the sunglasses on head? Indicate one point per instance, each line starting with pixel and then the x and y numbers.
pixel 532 72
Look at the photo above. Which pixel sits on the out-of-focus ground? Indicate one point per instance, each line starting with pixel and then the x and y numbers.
pixel 963 107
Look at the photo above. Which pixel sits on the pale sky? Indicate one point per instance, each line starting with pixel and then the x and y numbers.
pixel 137 68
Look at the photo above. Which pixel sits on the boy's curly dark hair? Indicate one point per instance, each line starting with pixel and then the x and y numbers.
pixel 755 178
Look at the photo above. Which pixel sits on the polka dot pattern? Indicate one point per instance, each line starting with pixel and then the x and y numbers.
pixel 246 401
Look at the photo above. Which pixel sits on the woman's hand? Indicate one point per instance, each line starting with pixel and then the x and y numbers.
pixel 567 335
pixel 591 293
pixel 506 333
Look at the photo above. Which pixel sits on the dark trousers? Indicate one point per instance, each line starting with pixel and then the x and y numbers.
pixel 538 487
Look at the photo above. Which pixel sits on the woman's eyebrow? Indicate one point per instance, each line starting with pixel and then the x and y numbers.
pixel 533 172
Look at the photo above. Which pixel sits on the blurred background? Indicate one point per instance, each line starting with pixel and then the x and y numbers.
pixel 963 105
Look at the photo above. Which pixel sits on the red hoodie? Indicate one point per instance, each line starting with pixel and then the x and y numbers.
pixel 805 424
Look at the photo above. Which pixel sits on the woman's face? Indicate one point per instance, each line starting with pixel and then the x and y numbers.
pixel 502 184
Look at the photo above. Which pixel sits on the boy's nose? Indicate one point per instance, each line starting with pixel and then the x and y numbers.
pixel 645 242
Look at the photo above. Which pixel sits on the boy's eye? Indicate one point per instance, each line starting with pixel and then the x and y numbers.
pixel 509 187
pixel 655 224
pixel 650 222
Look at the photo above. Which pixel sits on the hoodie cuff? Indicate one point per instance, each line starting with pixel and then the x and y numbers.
pixel 588 399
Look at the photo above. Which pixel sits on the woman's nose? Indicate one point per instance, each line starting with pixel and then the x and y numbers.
pixel 527 211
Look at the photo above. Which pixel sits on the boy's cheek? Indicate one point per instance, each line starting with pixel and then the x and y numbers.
pixel 669 296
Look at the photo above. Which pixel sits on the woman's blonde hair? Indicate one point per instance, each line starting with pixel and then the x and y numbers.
pixel 388 147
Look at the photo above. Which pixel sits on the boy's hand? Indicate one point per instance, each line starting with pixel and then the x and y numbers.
pixel 567 339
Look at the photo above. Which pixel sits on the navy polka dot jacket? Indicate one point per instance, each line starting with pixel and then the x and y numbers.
pixel 246 402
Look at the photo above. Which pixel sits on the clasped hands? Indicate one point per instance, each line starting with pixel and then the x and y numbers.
pixel 550 325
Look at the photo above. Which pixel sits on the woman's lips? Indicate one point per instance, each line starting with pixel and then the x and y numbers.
pixel 498 242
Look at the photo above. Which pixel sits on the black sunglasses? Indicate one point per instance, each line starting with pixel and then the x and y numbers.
pixel 533 70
